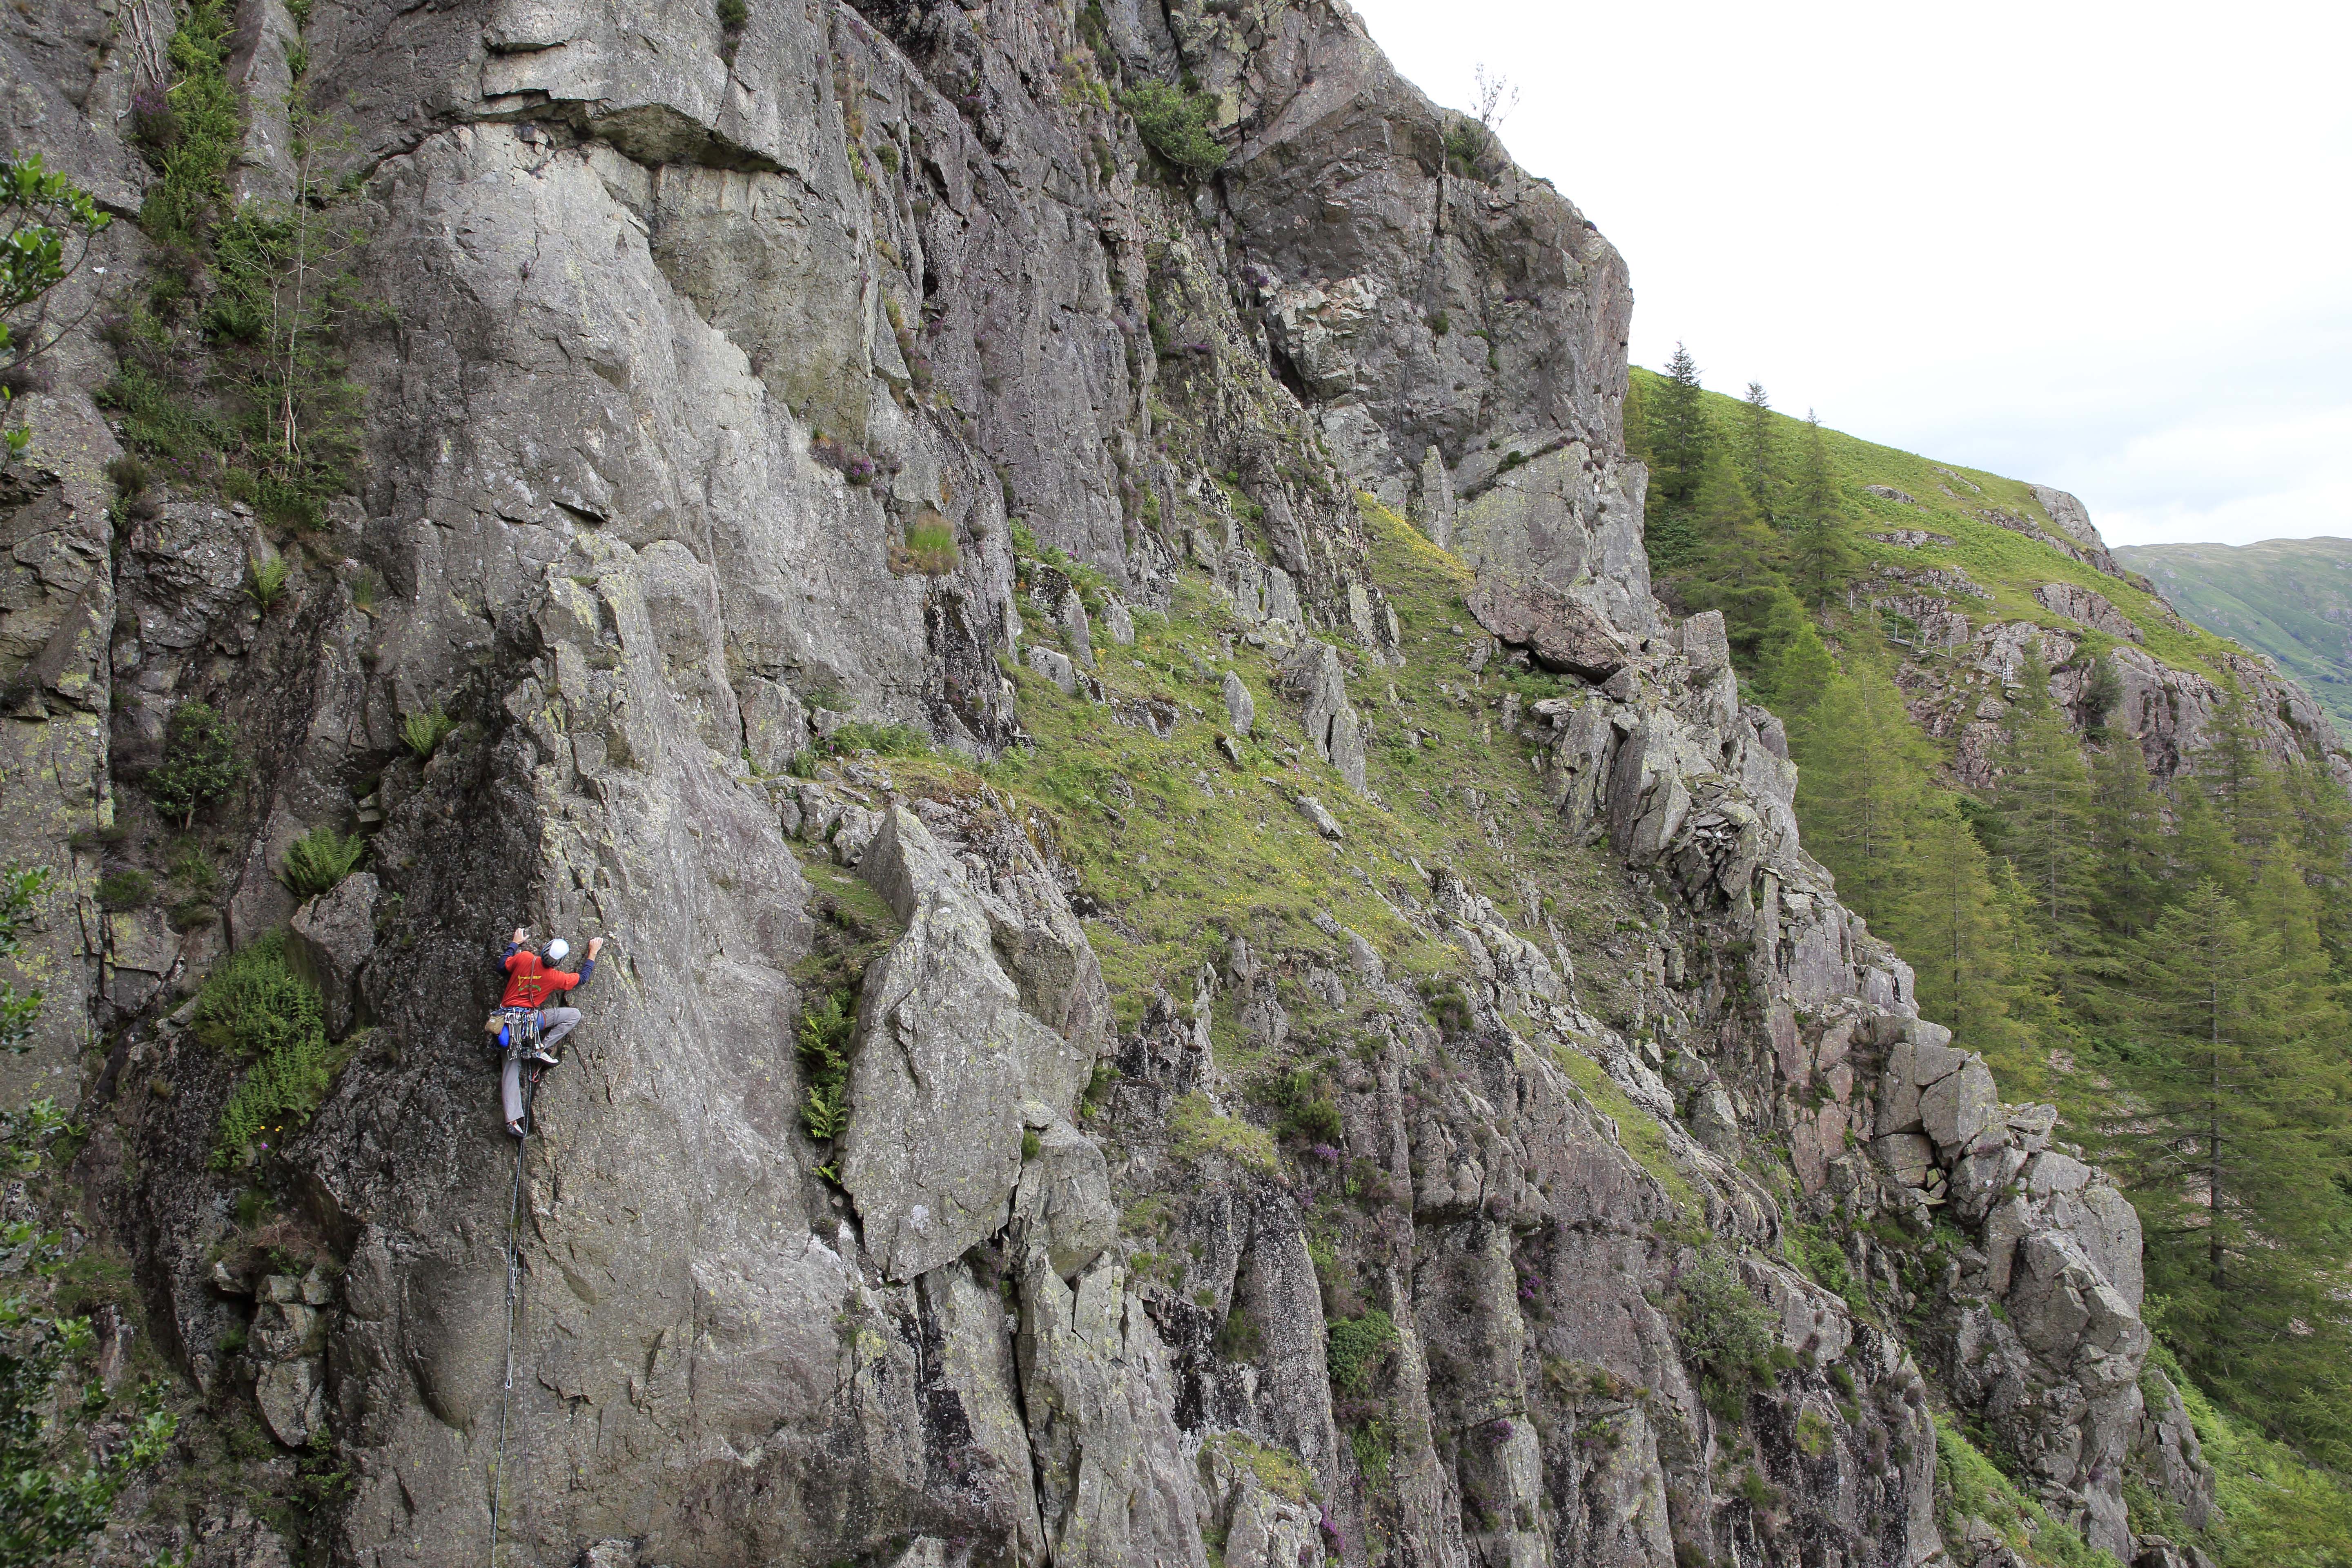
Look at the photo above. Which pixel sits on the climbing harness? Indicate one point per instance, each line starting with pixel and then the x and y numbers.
pixel 519 1033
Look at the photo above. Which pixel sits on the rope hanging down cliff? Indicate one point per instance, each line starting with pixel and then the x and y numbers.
pixel 514 1294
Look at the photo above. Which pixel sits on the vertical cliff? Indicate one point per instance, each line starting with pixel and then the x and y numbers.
pixel 1322 1081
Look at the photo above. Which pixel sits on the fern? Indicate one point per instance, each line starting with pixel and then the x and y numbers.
pixel 254 1007
pixel 424 732
pixel 319 860
pixel 824 1054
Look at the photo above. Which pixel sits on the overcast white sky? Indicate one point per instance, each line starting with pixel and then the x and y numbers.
pixel 2100 246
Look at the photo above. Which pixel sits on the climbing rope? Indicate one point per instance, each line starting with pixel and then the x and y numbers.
pixel 526 1038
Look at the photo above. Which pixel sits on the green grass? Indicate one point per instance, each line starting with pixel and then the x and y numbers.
pixel 2273 1510
pixel 1969 1485
pixel 1190 852
pixel 1198 1132
pixel 1279 1470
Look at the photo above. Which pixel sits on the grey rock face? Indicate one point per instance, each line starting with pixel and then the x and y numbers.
pixel 694 325
pixel 329 941
pixel 945 1059
pixel 2093 610
pixel 1063 1204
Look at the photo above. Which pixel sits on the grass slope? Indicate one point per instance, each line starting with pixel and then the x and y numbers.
pixel 1954 502
pixel 2290 598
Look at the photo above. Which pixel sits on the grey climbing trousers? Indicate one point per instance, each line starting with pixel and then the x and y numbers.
pixel 554 1022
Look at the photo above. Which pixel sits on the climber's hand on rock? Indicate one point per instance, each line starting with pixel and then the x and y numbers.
pixel 596 945
pixel 523 934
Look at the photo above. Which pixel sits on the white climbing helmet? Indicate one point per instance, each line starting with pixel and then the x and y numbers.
pixel 557 950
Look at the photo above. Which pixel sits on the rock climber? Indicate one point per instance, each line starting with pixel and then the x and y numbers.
pixel 531 979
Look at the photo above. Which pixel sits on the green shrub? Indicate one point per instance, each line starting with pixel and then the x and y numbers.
pixel 882 740
pixel 254 1007
pixel 1175 125
pixel 320 860
pixel 1374 1443
pixel 123 890
pixel 733 14
pixel 424 732
pixel 201 764
pixel 1356 1346
pixel 21 889
pixel 1030 1146
pixel 62 1480
pixel 1725 1334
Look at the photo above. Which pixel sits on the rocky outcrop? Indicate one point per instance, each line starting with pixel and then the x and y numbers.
pixel 1961 672
pixel 1557 632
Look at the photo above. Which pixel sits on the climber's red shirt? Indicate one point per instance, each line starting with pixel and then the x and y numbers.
pixel 531 983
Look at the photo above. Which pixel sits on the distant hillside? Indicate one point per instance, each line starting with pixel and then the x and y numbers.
pixel 2290 598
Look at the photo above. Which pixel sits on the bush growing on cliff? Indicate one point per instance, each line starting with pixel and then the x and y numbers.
pixel 255 1007
pixel 1357 1347
pixel 60 1487
pixel 21 887
pixel 1175 125
pixel 233 361
pixel 201 762
pixel 1724 1333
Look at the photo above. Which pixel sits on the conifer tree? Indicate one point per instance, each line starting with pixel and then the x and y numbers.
pixel 1758 464
pixel 2321 811
pixel 1820 556
pixel 2249 802
pixel 1861 768
pixel 2232 1142
pixel 2045 811
pixel 2126 831
pixel 1678 437
pixel 1954 929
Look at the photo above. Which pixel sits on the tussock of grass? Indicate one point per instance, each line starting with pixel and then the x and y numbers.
pixel 1279 1470
pixel 1198 1132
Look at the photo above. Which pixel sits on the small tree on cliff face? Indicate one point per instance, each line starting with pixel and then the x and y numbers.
pixel 200 764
